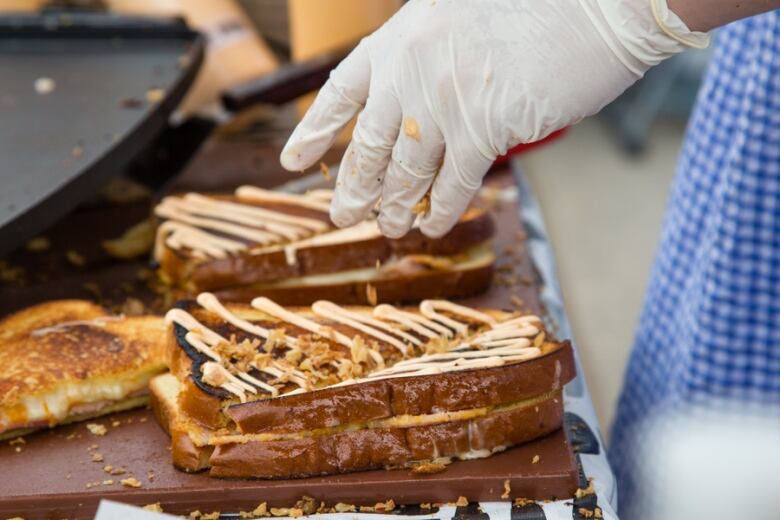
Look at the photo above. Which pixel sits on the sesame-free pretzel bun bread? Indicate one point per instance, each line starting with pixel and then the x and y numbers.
pixel 283 246
pixel 268 391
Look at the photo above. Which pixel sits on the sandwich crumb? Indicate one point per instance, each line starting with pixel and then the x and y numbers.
pixel 75 258
pixel 341 507
pixel 521 502
pixel 18 449
pixel 583 492
pixel 280 511
pixel 462 501
pixel 37 244
pixel 261 510
pixel 18 440
pixel 382 507
pixel 586 513
pixel 96 429
pixel 428 468
pixel 507 490
pixel 325 171
pixel 155 508
pixel 371 294
pixel 115 424
pixel 97 457
pixel 153 95
pixel 425 505
pixel 423 206
pixel 535 460
pixel 411 128
pixel 108 482
pixel 131 482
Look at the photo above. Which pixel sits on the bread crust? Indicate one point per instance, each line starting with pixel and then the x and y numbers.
pixel 387 289
pixel 385 448
pixel 420 395
pixel 244 269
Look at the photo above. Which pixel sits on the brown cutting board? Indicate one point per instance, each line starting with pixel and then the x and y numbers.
pixel 48 475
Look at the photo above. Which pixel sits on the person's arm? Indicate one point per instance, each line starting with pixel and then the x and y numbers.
pixel 705 15
pixel 445 86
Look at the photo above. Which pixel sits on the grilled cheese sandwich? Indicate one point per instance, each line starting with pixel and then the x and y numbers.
pixel 70 360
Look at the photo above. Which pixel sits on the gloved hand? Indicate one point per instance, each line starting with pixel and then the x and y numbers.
pixel 445 86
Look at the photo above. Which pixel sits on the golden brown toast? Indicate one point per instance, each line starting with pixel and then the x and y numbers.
pixel 251 385
pixel 68 360
pixel 284 246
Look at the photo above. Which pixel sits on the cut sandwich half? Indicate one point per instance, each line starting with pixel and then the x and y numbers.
pixel 70 360
pixel 266 391
pixel 284 246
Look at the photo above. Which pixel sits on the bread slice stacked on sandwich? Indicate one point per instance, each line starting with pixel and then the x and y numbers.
pixel 283 246
pixel 69 360
pixel 268 391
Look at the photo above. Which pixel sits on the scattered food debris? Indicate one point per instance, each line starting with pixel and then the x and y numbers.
pixel 44 86
pixel 18 449
pixel 135 241
pixel 423 206
pixel 116 423
pixel 18 440
pixel 341 507
pixel 108 482
pixel 507 490
pixel 535 460
pixel 430 467
pixel 77 151
pixel 156 507
pixel 259 511
pixel 583 492
pixel 425 505
pixel 411 128
pixel 131 482
pixel 382 507
pixel 325 171
pixel 371 294
pixel 97 457
pixel 521 502
pixel 37 244
pixel 462 502
pixel 96 429
pixel 75 258
pixel 153 95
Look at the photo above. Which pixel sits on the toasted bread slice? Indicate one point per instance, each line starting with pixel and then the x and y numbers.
pixel 411 441
pixel 71 360
pixel 282 379
pixel 263 242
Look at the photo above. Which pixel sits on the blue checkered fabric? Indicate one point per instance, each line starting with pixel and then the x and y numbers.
pixel 710 328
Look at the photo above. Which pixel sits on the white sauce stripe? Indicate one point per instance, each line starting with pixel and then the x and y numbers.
pixel 256 194
pixel 501 343
pixel 362 323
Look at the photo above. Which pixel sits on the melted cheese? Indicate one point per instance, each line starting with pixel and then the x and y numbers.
pixel 55 406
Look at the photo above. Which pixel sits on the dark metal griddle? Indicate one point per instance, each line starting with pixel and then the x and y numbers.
pixel 116 81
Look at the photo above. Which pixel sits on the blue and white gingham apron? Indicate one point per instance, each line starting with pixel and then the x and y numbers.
pixel 710 328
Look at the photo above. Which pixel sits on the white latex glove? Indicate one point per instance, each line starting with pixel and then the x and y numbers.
pixel 445 86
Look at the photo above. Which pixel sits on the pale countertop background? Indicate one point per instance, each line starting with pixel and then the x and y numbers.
pixel 603 211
